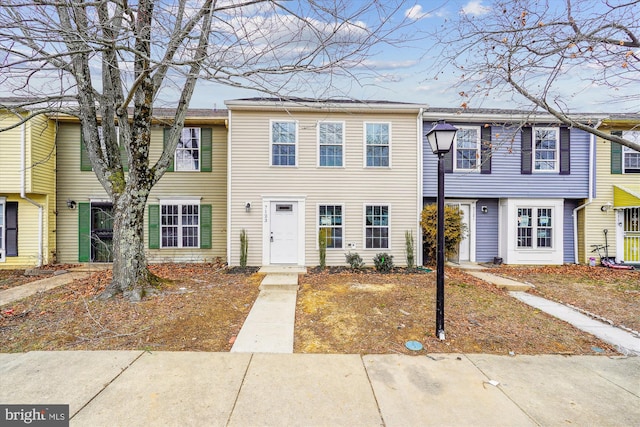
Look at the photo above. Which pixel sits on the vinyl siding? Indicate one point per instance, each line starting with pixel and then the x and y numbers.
pixel 209 187
pixel 505 179
pixel 595 220
pixel 10 173
pixel 42 154
pixel 569 250
pixel 487 230
pixel 351 186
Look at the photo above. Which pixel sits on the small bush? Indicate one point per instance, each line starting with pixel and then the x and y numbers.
pixel 354 260
pixel 454 230
pixel 383 262
pixel 244 248
pixel 408 239
pixel 322 245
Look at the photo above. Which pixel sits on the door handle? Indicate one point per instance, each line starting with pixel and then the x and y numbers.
pixel 272 236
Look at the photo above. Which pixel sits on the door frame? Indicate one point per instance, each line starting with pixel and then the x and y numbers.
pixel 266 226
pixel 471 222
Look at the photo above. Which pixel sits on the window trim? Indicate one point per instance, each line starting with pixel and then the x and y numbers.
pixel 534 228
pixel 318 226
pixel 295 144
pixel 556 160
pixel 342 144
pixel 478 130
pixel 364 225
pixel 632 135
pixel 180 203
pixel 176 167
pixel 365 145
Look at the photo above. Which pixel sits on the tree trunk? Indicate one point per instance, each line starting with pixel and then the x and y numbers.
pixel 131 275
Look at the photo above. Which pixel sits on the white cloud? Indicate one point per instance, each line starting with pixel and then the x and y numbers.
pixel 475 7
pixel 389 64
pixel 415 13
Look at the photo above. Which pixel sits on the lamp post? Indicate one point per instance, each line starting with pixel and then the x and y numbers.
pixel 440 138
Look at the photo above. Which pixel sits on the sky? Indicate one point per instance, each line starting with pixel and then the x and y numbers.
pixel 402 73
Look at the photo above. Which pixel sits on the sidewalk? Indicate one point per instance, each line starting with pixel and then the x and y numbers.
pixel 133 388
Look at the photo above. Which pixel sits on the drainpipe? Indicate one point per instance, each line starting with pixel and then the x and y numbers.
pixel 23 179
pixel 592 159
pixel 418 238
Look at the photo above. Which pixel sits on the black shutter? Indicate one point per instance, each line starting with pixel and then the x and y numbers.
pixel 11 224
pixel 448 159
pixel 525 155
pixel 485 150
pixel 565 151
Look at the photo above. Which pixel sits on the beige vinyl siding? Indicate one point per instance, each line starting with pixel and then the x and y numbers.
pixel 80 186
pixel 353 186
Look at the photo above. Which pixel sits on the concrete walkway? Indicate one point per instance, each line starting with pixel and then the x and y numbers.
pixel 269 327
pixel 135 388
pixel 19 292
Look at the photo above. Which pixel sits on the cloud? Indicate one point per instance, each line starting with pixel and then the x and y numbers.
pixel 415 13
pixel 389 64
pixel 475 7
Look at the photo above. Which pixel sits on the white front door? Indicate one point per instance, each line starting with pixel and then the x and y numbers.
pixel 284 233
pixel 464 253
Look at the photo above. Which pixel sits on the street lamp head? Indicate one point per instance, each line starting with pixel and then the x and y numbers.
pixel 441 137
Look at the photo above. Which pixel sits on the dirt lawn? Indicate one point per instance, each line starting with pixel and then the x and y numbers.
pixel 201 307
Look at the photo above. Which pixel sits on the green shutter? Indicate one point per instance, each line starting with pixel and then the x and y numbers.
pixel 526 162
pixel 485 150
pixel 123 157
pixel 205 226
pixel 164 144
pixel 84 232
pixel 205 149
pixel 616 155
pixel 154 226
pixel 85 162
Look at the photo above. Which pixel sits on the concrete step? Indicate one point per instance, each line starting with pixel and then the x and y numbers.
pixel 280 281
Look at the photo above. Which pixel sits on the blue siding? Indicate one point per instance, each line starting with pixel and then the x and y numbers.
pixel 486 230
pixel 569 250
pixel 505 179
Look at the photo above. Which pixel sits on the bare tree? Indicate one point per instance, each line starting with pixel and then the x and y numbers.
pixel 547 51
pixel 116 58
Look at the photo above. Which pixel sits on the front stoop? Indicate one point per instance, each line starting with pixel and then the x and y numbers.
pixel 280 282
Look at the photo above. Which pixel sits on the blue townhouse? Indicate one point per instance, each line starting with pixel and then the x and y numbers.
pixel 518 178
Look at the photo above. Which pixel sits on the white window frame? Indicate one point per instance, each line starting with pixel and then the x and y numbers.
pixel 533 224
pixel 177 165
pixel 366 145
pixel 633 136
pixel 365 226
pixel 455 149
pixel 556 151
pixel 321 144
pixel 272 143
pixel 180 226
pixel 3 221
pixel 341 226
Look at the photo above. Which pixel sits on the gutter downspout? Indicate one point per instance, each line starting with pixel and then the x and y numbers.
pixel 23 179
pixel 418 250
pixel 592 158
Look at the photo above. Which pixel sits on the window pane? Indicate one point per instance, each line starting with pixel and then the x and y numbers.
pixel 545 149
pixel 525 228
pixel 330 225
pixel 377 226
pixel 377 140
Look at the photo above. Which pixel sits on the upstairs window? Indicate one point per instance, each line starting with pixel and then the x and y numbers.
pixel 187 155
pixel 330 141
pixel 631 157
pixel 378 143
pixel 467 149
pixel 546 149
pixel 283 143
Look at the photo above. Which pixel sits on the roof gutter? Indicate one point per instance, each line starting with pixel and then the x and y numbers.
pixel 592 158
pixel 23 194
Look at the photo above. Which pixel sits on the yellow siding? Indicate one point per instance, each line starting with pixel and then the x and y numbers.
pixel 596 220
pixel 41 156
pixel 10 140
pixel 352 186
pixel 79 186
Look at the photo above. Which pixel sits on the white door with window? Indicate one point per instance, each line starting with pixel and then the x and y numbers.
pixel 464 250
pixel 283 233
